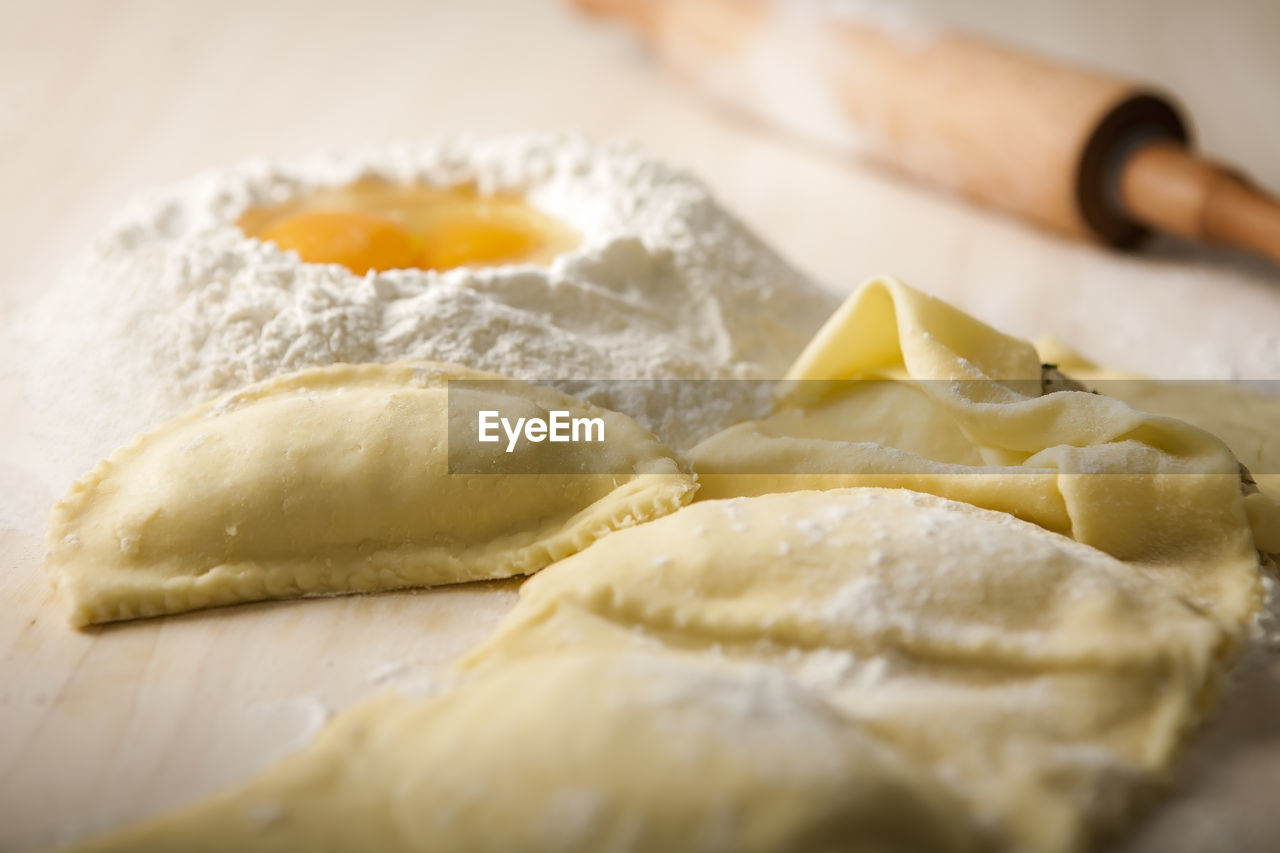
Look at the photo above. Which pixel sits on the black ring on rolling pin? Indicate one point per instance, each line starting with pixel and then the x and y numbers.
pixel 1138 119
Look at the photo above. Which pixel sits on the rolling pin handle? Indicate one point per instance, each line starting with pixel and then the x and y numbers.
pixel 1167 187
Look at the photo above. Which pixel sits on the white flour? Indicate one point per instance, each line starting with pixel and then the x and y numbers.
pixel 173 304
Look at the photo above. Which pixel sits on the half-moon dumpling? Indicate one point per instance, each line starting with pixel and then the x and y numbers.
pixel 339 480
pixel 1041 680
pixel 582 752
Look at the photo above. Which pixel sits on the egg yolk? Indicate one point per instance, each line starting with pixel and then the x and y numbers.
pixel 455 244
pixel 358 241
pixel 377 225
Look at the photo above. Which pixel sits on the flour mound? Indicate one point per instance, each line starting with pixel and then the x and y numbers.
pixel 173 304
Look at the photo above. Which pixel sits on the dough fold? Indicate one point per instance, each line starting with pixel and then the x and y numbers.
pixel 1246 419
pixel 901 390
pixel 338 480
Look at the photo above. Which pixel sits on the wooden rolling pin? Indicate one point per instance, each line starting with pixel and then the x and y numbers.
pixel 1077 151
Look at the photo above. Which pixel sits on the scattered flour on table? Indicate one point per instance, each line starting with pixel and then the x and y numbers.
pixel 173 304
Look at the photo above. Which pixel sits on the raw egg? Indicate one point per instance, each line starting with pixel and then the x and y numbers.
pixel 359 241
pixel 374 225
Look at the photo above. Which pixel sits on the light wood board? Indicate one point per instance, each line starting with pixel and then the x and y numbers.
pixel 99 99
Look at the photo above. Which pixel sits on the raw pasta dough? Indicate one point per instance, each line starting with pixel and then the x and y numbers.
pixel 337 480
pixel 854 669
pixel 1040 678
pixel 583 753
pixel 1246 419
pixel 972 425
pixel 865 669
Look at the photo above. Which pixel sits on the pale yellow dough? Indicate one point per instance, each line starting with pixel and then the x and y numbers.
pixel 1246 419
pixel 971 424
pixel 866 669
pixel 1026 671
pixel 336 480
pixel 583 752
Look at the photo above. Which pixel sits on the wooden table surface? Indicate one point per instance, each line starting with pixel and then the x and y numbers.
pixel 98 99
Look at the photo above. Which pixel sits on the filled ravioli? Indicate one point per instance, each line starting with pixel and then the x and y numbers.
pixel 1026 671
pixel 583 752
pixel 873 669
pixel 845 666
pixel 339 480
